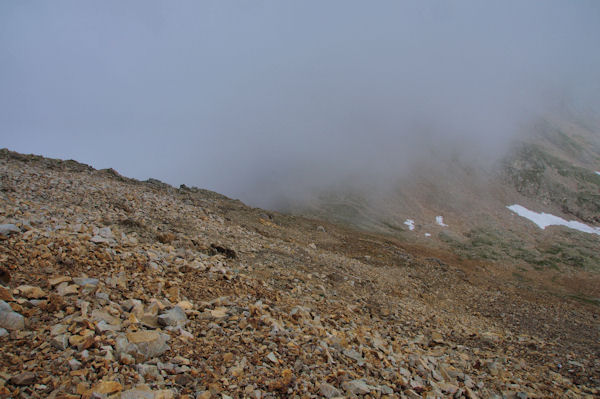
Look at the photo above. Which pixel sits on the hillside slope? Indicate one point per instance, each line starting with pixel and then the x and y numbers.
pixel 119 288
pixel 552 169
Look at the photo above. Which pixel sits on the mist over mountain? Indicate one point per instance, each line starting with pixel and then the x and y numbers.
pixel 270 101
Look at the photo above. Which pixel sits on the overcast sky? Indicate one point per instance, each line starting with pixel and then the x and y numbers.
pixel 249 97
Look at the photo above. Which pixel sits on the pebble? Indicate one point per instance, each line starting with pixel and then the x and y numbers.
pixel 8 229
pixel 74 364
pixel 137 394
pixel 30 292
pixel 107 387
pixel 24 378
pixel 85 281
pixel 57 280
pixel 64 289
pixel 271 356
pixel 5 294
pixel 60 341
pixel 172 317
pixel 149 343
pixel 352 354
pixel 358 387
pixel 328 390
pixel 9 319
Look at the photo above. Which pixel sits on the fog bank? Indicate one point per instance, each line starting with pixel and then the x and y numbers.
pixel 261 100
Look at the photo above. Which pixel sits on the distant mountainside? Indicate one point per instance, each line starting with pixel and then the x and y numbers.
pixel 553 169
pixel 558 167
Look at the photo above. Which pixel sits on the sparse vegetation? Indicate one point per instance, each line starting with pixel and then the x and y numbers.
pixel 568 249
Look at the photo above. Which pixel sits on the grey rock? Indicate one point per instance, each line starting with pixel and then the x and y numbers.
pixel 60 342
pixel 328 390
pixel 5 307
pixel 172 317
pixel 105 232
pixel 352 354
pixel 122 345
pixel 385 390
pixel 85 281
pixel 8 229
pixel 3 332
pixel 148 370
pixel 74 364
pixel 99 315
pixel 358 387
pixel 10 320
pixel 103 296
pixel 148 343
pixel 137 394
pixel 271 356
pixel 99 240
pixel 154 266
pixel 58 329
pixel 404 372
pixel 103 326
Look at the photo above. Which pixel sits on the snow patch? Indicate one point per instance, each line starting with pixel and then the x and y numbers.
pixel 410 223
pixel 440 220
pixel 544 220
pixel 427 235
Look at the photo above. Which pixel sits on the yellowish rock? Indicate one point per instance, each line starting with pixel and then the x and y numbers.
pixel 219 313
pixel 57 280
pixel 139 337
pixel 5 295
pixel 107 387
pixel 30 292
pixel 185 305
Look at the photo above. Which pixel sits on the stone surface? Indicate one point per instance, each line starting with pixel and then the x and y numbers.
pixel 137 394
pixel 107 387
pixel 5 294
pixel 149 343
pixel 85 281
pixel 60 341
pixel 358 387
pixel 328 390
pixel 10 320
pixel 30 292
pixel 172 317
pixel 8 229
pixel 66 289
pixel 24 378
pixel 57 280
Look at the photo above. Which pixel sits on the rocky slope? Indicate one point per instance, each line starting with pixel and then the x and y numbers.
pixel 113 287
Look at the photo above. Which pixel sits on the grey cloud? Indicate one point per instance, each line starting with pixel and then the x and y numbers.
pixel 261 99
